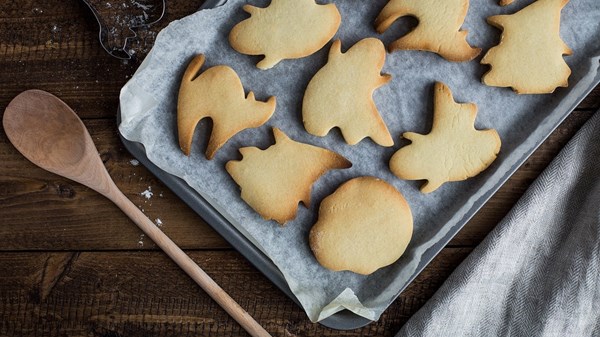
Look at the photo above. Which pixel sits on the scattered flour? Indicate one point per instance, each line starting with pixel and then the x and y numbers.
pixel 142 6
pixel 147 193
pixel 133 162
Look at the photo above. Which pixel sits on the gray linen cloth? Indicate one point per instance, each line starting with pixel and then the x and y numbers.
pixel 538 272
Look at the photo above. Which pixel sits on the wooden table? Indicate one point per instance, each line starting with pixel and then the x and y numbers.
pixel 72 264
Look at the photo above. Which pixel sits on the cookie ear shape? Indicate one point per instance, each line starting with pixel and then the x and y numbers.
pixel 341 94
pixel 438 29
pixel 275 180
pixel 529 57
pixel 216 93
pixel 366 224
pixel 286 29
pixel 454 150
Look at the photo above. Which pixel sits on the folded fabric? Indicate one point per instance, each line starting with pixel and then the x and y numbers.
pixel 538 272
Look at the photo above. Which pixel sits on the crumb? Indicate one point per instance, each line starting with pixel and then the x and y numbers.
pixel 147 193
pixel 158 222
pixel 133 162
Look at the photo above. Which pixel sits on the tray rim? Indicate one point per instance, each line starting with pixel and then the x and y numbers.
pixel 345 319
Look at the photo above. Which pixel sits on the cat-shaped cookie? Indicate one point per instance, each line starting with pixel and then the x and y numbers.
pixel 216 93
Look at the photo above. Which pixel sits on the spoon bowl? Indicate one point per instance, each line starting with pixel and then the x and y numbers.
pixel 51 135
pixel 48 133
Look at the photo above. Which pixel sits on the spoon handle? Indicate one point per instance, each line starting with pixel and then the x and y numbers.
pixel 186 263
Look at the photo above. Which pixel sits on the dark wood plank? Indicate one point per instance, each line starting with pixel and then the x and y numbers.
pixel 53 46
pixel 592 101
pixel 143 293
pixel 43 211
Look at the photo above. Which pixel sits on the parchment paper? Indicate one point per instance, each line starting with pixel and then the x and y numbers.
pixel 148 107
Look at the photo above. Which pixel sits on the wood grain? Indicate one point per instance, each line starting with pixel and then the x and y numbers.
pixel 74 217
pixel 143 293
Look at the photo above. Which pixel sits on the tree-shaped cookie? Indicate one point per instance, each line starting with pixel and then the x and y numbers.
pixel 454 150
pixel 286 29
pixel 529 57
pixel 275 180
pixel 438 29
pixel 216 93
pixel 340 94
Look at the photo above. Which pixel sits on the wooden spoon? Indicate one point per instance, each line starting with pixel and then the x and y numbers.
pixel 48 133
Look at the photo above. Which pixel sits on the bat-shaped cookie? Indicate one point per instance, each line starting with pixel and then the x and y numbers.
pixel 286 29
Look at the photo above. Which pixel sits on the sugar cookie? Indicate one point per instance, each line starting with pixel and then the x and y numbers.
pixel 340 94
pixel 366 224
pixel 454 150
pixel 438 29
pixel 529 57
pixel 216 93
pixel 286 29
pixel 275 180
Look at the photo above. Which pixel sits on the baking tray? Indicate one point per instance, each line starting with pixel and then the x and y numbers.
pixel 343 320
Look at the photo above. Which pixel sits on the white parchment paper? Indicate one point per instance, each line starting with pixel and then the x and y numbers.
pixel 148 108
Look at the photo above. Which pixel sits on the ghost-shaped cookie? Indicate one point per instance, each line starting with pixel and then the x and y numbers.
pixel 286 29
pixel 341 94
pixel 216 93
pixel 275 180
pixel 454 150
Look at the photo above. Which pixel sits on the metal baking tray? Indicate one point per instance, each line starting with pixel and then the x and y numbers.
pixel 343 320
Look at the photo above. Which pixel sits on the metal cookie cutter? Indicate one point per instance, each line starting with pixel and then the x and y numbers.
pixel 115 35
